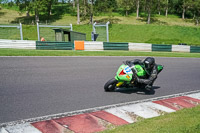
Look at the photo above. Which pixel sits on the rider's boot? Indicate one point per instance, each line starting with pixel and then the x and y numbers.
pixel 149 89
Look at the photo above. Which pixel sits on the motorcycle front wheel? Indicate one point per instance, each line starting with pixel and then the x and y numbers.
pixel 110 85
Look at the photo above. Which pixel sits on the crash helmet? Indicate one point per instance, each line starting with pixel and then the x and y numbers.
pixel 149 63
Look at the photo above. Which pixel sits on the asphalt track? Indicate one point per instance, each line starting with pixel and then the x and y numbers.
pixel 38 86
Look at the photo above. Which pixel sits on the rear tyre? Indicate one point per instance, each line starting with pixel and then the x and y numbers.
pixel 110 85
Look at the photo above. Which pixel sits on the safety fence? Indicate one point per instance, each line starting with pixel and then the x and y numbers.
pixel 96 46
pixel 100 46
pixel 160 47
pixel 44 45
pixel 17 44
pixel 194 49
pixel 48 32
pixel 5 29
pixel 101 30
pixel 115 46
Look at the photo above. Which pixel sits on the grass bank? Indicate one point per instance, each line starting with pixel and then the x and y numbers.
pixel 183 121
pixel 155 34
pixel 22 52
pixel 162 30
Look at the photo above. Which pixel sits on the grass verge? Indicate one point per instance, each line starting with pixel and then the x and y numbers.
pixel 23 52
pixel 183 121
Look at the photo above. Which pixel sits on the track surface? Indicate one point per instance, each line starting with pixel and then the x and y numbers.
pixel 38 86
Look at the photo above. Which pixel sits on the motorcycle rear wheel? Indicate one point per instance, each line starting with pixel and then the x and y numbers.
pixel 110 85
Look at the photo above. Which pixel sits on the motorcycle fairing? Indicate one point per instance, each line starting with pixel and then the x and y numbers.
pixel 124 73
pixel 139 70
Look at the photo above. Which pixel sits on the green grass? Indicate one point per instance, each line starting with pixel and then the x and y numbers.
pixel 171 30
pixel 155 34
pixel 183 121
pixel 11 33
pixel 22 52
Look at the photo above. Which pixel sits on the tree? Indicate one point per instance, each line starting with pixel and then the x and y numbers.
pixel 35 6
pixel 24 5
pixel 125 4
pixel 78 13
pixel 184 4
pixel 91 11
pixel 166 7
pixel 49 7
pixel 173 6
pixel 149 8
pixel 138 8
pixel 106 6
pixel 85 3
pixel 74 3
pixel 159 6
pixel 195 4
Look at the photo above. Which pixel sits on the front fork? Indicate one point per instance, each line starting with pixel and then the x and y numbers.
pixel 119 84
pixel 125 83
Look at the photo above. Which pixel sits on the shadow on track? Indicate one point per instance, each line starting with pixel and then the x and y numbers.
pixel 137 90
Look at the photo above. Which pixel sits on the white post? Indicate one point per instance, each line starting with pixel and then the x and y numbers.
pixel 71 27
pixel 21 33
pixel 107 31
pixel 94 30
pixel 38 31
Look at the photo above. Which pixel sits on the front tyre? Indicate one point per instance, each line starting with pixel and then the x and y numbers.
pixel 110 85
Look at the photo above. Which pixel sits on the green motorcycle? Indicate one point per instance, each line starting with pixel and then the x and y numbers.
pixel 125 76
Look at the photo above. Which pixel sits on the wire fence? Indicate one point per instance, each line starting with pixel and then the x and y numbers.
pixel 47 32
pixel 102 31
pixel 15 31
pixel 11 32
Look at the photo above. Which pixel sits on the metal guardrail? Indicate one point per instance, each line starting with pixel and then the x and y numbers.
pixel 17 44
pixel 49 45
pixel 115 46
pixel 161 47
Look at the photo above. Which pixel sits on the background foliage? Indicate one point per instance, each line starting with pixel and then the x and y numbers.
pixel 48 9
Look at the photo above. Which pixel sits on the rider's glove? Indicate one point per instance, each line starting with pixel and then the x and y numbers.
pixel 137 79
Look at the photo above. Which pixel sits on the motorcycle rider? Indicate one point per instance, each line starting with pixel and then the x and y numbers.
pixel 151 70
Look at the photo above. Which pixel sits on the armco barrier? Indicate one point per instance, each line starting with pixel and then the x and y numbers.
pixel 180 48
pixel 79 45
pixel 93 46
pixel 115 46
pixel 139 47
pixel 96 46
pixel 45 45
pixel 194 49
pixel 17 44
pixel 160 47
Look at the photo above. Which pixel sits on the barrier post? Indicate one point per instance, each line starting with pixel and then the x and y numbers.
pixel 21 33
pixel 38 31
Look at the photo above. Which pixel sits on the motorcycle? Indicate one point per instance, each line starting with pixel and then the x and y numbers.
pixel 125 76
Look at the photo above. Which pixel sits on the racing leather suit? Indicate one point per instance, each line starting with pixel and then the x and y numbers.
pixel 151 75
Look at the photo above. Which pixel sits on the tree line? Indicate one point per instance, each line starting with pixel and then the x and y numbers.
pixel 86 9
